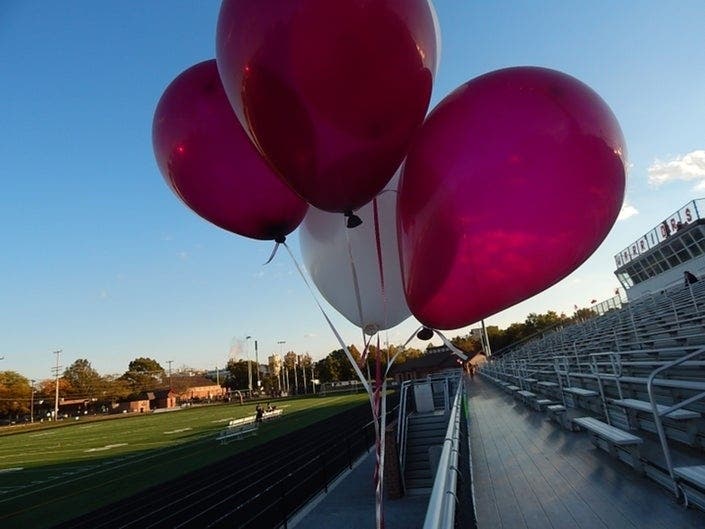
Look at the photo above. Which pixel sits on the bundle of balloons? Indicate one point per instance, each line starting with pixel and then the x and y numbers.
pixel 314 113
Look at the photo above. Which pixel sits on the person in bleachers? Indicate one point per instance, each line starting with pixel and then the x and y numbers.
pixel 689 278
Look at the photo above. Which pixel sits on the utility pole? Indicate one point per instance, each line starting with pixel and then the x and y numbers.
pixel 303 372
pixel 169 362
pixel 249 364
pixel 31 405
pixel 313 386
pixel 217 376
pixel 56 374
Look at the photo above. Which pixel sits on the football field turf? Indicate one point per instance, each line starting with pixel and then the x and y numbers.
pixel 53 474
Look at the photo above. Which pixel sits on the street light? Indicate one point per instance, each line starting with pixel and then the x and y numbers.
pixel 281 355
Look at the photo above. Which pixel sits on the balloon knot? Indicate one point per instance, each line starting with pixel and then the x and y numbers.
pixel 425 334
pixel 353 220
pixel 280 239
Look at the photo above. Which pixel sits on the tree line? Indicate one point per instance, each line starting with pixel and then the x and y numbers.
pixel 81 381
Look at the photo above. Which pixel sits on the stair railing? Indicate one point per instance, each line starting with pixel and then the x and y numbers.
pixel 653 381
pixel 441 506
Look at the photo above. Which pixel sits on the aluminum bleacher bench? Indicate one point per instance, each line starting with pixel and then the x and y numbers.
pixel 642 405
pixel 547 384
pixel 237 432
pixel 618 443
pixel 558 413
pixel 527 397
pixel 580 392
pixel 540 404
pixel 692 482
pixel 689 417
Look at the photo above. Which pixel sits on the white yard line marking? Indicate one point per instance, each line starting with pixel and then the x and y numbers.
pixel 107 447
pixel 179 430
pixel 13 469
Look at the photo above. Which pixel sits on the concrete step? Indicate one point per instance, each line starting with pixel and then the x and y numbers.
pixel 416 483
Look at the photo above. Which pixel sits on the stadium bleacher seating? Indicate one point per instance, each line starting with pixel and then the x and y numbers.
pixel 630 376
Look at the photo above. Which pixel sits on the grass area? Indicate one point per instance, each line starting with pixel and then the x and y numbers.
pixel 48 475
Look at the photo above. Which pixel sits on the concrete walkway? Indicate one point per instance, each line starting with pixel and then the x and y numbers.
pixel 351 505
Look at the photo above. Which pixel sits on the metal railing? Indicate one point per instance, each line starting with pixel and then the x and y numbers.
pixel 653 381
pixel 442 504
pixel 405 408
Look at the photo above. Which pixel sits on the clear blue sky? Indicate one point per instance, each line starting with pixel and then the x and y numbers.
pixel 99 259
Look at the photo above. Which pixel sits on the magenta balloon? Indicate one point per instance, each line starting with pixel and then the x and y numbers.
pixel 330 91
pixel 512 182
pixel 210 163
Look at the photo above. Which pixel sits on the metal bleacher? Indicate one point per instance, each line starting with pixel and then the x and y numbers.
pixel 633 377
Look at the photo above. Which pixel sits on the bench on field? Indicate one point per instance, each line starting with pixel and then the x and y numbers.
pixel 237 432
pixel 241 421
pixel 269 415
pixel 613 440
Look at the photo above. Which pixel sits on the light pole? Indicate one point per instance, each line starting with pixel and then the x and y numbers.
pixel 257 364
pixel 296 377
pixel 281 371
pixel 31 405
pixel 249 365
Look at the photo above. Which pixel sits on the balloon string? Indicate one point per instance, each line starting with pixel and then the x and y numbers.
pixel 356 284
pixel 274 252
pixel 391 362
pixel 366 341
pixel 452 347
pixel 352 361
pixel 379 415
pixel 378 242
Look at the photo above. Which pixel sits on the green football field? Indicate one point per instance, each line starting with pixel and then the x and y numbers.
pixel 52 474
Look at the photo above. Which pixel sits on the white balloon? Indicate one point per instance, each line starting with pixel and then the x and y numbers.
pixel 327 247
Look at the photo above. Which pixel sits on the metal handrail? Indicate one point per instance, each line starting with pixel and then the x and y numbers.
pixel 441 505
pixel 657 414
pixel 403 426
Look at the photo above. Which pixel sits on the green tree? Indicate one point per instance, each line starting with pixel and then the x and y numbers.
pixel 15 394
pixel 143 374
pixel 336 366
pixel 238 374
pixel 83 379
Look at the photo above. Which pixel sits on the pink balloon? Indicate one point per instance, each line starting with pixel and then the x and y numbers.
pixel 330 91
pixel 212 166
pixel 512 182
